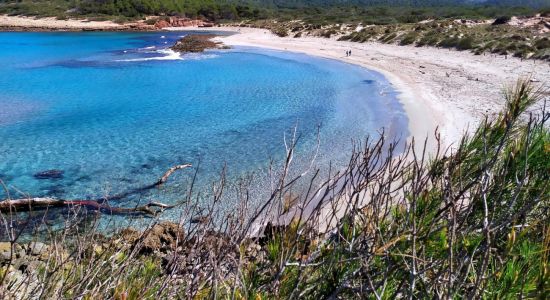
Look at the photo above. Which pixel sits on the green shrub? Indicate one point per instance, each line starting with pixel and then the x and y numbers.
pixel 465 43
pixel 449 42
pixel 543 43
pixel 409 38
pixel 387 38
pixel 429 39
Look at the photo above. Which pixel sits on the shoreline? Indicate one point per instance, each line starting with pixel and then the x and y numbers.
pixel 31 24
pixel 438 88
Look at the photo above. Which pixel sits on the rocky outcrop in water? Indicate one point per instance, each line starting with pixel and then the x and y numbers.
pixel 196 43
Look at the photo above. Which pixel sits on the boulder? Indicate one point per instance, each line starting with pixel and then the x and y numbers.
pixel 5 252
pixel 162 24
pixel 38 249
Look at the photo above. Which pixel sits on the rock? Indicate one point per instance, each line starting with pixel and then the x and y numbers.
pixel 206 24
pixel 20 264
pixel 49 174
pixel 181 22
pixel 5 252
pixel 126 238
pixel 161 237
pixel 16 279
pixel 162 24
pixel 38 249
pixel 195 43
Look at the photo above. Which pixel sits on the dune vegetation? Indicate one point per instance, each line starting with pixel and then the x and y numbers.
pixel 481 39
pixel 467 221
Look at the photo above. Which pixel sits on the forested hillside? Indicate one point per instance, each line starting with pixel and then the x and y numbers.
pixel 262 9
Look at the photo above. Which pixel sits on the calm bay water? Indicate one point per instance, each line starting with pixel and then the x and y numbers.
pixel 115 110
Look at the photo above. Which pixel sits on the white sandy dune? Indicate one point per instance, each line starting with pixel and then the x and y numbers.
pixel 441 88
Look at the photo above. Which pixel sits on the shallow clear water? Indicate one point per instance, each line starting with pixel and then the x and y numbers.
pixel 115 110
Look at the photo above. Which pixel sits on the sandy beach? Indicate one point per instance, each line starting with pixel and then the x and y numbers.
pixel 442 88
pixel 30 23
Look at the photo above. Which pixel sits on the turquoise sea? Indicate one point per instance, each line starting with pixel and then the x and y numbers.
pixel 113 111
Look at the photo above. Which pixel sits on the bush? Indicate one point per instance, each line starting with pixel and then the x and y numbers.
pixel 280 31
pixel 543 43
pixel 151 21
pixel 328 33
pixel 502 20
pixel 388 37
pixel 449 42
pixel 61 17
pixel 429 39
pixel 465 43
pixel 408 39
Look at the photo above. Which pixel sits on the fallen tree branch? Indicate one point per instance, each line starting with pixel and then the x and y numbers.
pixel 28 204
pixel 168 173
pixel 142 189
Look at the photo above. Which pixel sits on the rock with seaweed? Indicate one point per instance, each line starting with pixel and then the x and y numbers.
pixel 196 43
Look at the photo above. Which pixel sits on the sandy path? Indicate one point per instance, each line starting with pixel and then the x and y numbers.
pixel 449 89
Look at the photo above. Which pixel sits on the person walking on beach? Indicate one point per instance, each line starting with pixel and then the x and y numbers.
pixel 349 52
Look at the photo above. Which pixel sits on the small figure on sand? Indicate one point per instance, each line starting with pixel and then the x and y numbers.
pixel 348 52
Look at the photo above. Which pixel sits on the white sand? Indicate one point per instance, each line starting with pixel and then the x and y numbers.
pixel 53 23
pixel 441 88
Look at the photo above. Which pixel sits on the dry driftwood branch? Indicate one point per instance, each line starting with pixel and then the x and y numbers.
pixel 28 204
pixel 168 173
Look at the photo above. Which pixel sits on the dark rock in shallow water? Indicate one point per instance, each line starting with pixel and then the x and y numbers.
pixel 196 43
pixel 49 174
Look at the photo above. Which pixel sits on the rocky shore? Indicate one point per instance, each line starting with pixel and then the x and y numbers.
pixel 181 22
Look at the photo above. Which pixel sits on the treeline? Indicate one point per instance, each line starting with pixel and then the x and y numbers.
pixel 211 9
pixel 391 10
pixel 318 11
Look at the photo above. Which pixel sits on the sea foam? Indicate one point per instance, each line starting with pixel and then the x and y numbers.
pixel 169 54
